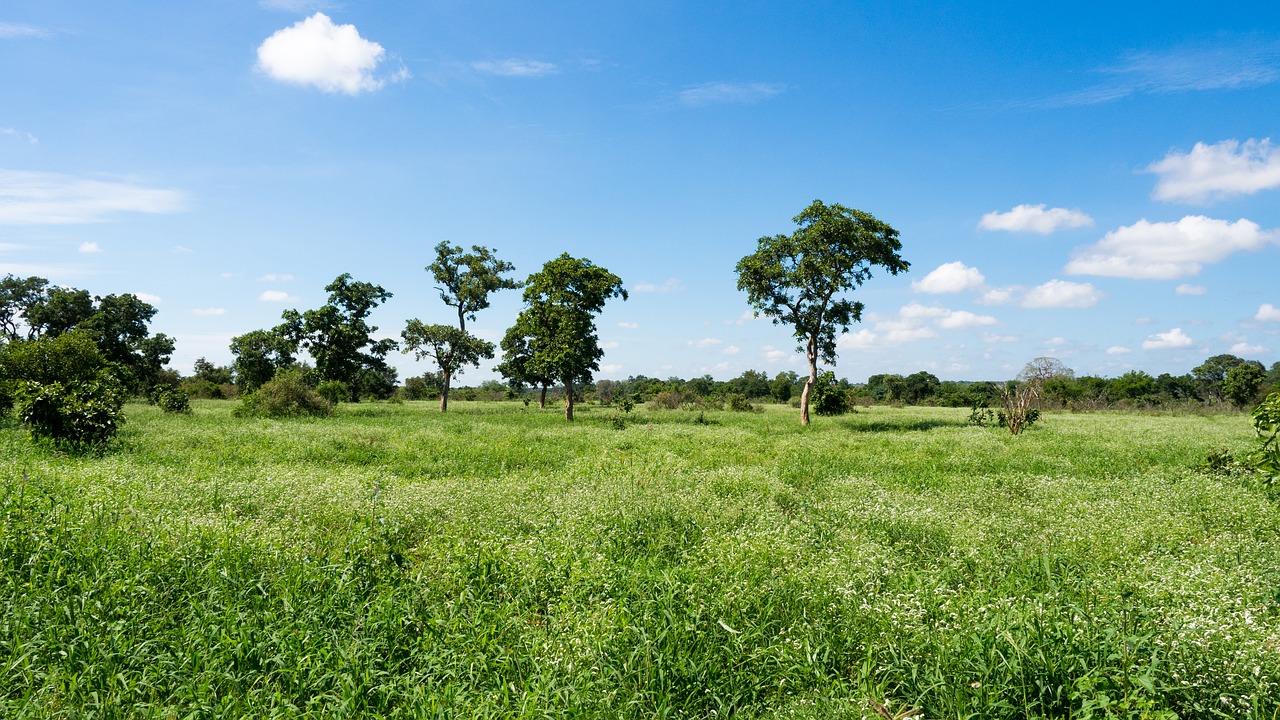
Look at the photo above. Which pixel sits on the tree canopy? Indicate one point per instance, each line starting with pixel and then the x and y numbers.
pixel 467 279
pixel 451 348
pixel 798 279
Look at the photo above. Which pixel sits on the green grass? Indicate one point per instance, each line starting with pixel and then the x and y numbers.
pixel 499 562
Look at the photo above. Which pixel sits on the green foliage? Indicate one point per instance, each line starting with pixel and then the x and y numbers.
pixel 982 415
pixel 172 400
pixel 1210 374
pixel 334 391
pixel 1241 383
pixel 467 279
pixel 285 395
pixel 259 355
pixel 1266 423
pixel 451 349
pixel 738 403
pixel 827 397
pixel 626 403
pixel 76 414
pixel 338 335
pixel 797 279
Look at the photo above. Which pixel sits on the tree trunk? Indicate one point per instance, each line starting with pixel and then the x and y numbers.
pixel 444 393
pixel 542 398
pixel 811 352
pixel 568 400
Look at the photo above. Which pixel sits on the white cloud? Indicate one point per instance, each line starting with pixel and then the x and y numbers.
pixel 912 323
pixel 333 58
pixel 1035 219
pixel 998 296
pixel 965 319
pixel 611 345
pixel 863 339
pixel 1214 172
pixel 1188 289
pixel 773 354
pixel 732 350
pixel 1062 294
pixel 1168 250
pixel 36 198
pixel 610 368
pixel 746 317
pixel 628 325
pixel 704 342
pixel 515 68
pixel 1244 348
pixel 1175 338
pixel 276 296
pixel 276 277
pixel 993 338
pixel 209 312
pixel 90 247
pixel 31 139
pixel 1267 313
pixel 18 30
pixel 664 288
pixel 952 277
pixel 1118 350
pixel 1056 341
pixel 148 298
pixel 713 93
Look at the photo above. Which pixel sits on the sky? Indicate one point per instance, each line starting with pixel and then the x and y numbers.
pixel 1095 182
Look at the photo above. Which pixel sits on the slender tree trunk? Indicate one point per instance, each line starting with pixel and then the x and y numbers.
pixel 811 352
pixel 568 400
pixel 444 393
pixel 542 398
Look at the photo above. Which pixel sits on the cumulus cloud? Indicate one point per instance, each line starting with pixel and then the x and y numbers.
pixel 952 277
pixel 333 58
pixel 1188 289
pixel 1174 338
pixel 515 68
pixel 1035 219
pixel 704 342
pixel 1062 294
pixel 718 93
pixel 1244 348
pixel 912 323
pixel 148 298
pixel 209 312
pixel 36 198
pixel 1267 313
pixel 731 350
pixel 90 247
pixel 1118 350
pixel 1168 250
pixel 664 288
pixel 276 296
pixel 1214 172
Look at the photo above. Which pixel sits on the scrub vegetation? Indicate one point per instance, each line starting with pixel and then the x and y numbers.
pixel 495 561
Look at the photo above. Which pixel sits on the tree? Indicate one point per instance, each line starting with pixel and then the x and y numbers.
pixel 451 348
pixel 467 279
pixel 1241 383
pixel 17 295
pixel 119 325
pixel 1040 369
pixel 555 334
pixel 259 354
pixel 797 279
pixel 338 336
pixel 780 387
pixel 57 311
pixel 1133 385
pixel 920 386
pixel 519 365
pixel 1210 374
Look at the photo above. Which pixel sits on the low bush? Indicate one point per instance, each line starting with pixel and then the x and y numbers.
pixel 333 390
pixel 74 414
pixel 285 395
pixel 172 400
pixel 666 400
pixel 1266 423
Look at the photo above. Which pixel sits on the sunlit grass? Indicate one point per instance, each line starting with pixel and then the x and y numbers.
pixel 499 562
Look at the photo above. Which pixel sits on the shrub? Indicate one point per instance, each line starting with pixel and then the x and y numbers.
pixel 76 414
pixel 335 391
pixel 738 403
pixel 1018 413
pixel 285 395
pixel 172 400
pixel 626 403
pixel 827 397
pixel 666 400
pixel 203 389
pixel 1266 422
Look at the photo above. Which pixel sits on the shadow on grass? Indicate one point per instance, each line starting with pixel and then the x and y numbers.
pixel 900 426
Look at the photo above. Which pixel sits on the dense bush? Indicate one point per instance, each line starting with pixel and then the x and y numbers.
pixel 1266 421
pixel 333 391
pixel 666 400
pixel 738 403
pixel 172 400
pixel 828 398
pixel 286 395
pixel 78 413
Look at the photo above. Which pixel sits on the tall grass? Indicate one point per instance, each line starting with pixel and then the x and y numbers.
pixel 498 562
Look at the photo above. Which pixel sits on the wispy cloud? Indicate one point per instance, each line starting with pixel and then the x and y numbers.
pixel 35 198
pixel 704 342
pixel 513 67
pixel 276 296
pixel 333 58
pixel 90 247
pixel 209 312
pixel 666 287
pixel 276 277
pixel 1251 62
pixel 719 93
pixel 21 135
pixel 1034 219
pixel 1189 289
pixel 19 30
pixel 1214 172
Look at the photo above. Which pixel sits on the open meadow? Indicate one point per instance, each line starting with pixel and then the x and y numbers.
pixel 497 561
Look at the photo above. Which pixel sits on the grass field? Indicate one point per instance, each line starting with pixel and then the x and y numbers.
pixel 499 562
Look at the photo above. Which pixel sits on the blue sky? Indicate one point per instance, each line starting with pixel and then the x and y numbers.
pixel 1094 182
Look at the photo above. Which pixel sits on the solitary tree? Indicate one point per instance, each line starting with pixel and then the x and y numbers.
pixel 798 279
pixel 467 279
pixel 259 354
pixel 557 326
pixel 519 359
pixel 451 348
pixel 338 335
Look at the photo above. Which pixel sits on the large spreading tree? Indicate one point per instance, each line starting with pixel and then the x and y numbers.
pixel 799 279
pixel 556 330
pixel 451 348
pixel 339 338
